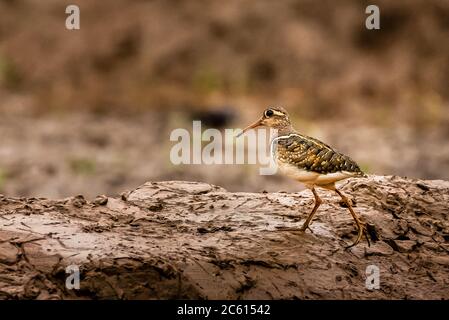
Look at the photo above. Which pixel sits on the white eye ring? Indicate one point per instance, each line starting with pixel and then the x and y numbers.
pixel 269 113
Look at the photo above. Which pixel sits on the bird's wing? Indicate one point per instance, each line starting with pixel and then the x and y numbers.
pixel 313 155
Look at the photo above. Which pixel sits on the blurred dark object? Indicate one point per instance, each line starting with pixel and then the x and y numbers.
pixel 215 118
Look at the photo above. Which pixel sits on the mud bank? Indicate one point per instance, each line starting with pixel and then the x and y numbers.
pixel 188 240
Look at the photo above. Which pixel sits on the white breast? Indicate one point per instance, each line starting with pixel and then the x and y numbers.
pixel 297 173
pixel 309 177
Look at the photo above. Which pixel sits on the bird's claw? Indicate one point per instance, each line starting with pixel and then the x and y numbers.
pixel 304 228
pixel 362 232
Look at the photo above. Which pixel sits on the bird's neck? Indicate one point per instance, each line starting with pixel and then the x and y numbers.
pixel 285 130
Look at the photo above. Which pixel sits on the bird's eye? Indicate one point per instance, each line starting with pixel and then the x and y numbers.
pixel 269 113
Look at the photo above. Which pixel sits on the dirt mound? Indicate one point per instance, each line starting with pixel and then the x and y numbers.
pixel 178 239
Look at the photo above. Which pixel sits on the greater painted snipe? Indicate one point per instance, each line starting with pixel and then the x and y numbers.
pixel 309 161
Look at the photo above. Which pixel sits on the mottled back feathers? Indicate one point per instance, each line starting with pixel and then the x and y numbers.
pixel 310 154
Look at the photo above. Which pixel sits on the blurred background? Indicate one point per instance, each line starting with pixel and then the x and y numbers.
pixel 90 111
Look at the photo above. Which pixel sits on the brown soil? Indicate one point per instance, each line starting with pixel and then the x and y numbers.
pixel 189 240
pixel 316 57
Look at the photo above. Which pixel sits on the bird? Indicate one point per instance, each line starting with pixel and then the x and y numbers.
pixel 310 162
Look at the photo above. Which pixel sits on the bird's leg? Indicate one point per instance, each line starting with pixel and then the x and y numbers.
pixel 318 202
pixel 360 225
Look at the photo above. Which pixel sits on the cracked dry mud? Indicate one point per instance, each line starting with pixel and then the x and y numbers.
pixel 188 240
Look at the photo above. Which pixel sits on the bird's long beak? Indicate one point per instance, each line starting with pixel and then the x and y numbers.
pixel 251 126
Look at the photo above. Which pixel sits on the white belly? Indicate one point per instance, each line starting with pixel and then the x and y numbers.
pixel 309 177
pixel 297 173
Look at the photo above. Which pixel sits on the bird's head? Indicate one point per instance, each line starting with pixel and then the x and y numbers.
pixel 273 117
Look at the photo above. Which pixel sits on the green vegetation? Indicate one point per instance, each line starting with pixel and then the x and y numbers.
pixel 365 167
pixel 83 166
pixel 3 176
pixel 206 80
pixel 9 74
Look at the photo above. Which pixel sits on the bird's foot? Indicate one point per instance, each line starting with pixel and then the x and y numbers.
pixel 363 231
pixel 304 228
